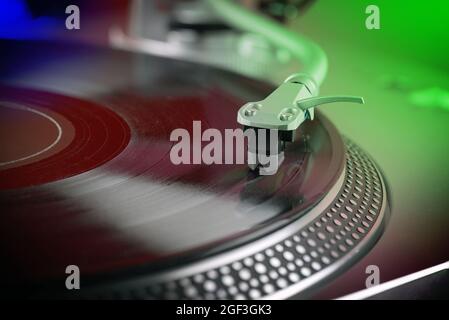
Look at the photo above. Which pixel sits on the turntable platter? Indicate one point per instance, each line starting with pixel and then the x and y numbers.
pixel 86 179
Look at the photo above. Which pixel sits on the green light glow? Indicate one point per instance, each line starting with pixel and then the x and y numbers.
pixel 402 71
pixel 431 98
pixel 310 55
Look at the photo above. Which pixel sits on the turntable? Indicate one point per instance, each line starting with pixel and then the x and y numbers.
pixel 86 177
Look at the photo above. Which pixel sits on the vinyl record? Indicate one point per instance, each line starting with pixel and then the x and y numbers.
pixel 86 179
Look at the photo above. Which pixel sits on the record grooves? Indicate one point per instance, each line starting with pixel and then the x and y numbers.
pixel 93 135
pixel 94 185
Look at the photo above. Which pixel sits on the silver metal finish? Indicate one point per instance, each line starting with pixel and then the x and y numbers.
pixel 277 111
pixel 285 109
pixel 383 287
pixel 340 229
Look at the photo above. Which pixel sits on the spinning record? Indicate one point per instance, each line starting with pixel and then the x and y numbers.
pixel 86 179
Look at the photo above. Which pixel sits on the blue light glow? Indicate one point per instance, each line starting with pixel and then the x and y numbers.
pixel 16 22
